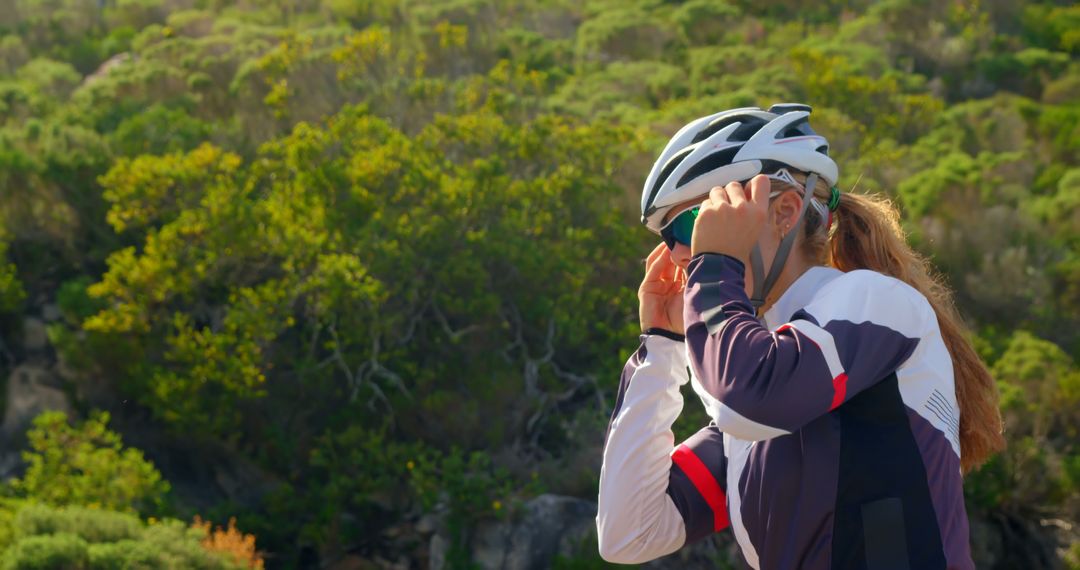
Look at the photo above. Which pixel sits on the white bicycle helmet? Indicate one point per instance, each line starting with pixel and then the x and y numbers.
pixel 737 145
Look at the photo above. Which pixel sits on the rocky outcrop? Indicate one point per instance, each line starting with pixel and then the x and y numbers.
pixel 551 527
pixel 31 389
pixel 35 338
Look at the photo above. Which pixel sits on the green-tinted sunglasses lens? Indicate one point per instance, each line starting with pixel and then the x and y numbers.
pixel 682 227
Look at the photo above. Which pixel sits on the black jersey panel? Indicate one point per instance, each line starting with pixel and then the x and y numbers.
pixel 883 503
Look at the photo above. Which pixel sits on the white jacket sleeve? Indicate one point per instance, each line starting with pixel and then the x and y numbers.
pixel 637 519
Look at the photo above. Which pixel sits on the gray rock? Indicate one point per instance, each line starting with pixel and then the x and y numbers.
pixel 437 552
pixel 34 335
pixel 986 544
pixel 550 525
pixel 50 312
pixel 10 461
pixel 30 390
pixel 427 524
pixel 718 551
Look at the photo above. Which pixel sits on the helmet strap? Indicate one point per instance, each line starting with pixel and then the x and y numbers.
pixel 763 286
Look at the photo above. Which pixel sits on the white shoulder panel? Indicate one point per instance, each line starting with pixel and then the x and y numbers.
pixel 861 295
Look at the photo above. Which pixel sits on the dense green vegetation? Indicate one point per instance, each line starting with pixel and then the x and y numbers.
pixel 76 508
pixel 383 253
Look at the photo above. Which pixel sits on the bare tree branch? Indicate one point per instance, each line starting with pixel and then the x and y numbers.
pixel 455 335
pixel 355 381
pixel 376 368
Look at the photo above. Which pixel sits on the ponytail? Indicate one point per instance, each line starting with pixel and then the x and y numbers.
pixel 868 235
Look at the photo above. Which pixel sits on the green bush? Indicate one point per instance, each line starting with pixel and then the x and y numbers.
pixel 78 538
pixel 160 129
pixel 705 22
pixel 125 554
pixel 1040 388
pixel 86 464
pixel 73 301
pixel 11 290
pixel 1044 388
pixel 620 88
pixel 9 511
pixel 626 33
pixel 48 552
pixel 1052 27
pixel 91 525
pixel 1072 556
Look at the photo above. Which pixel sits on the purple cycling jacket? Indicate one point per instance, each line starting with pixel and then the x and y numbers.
pixel 834 441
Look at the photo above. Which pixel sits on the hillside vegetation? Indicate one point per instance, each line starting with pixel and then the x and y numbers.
pixel 337 264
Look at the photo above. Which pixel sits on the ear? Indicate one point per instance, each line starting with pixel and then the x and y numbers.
pixel 785 211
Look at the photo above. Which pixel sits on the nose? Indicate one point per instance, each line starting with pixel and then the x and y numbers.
pixel 681 255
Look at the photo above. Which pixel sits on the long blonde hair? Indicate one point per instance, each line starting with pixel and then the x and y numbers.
pixel 867 235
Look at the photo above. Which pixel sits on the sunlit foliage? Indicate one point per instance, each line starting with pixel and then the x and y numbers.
pixel 87 465
pixel 337 239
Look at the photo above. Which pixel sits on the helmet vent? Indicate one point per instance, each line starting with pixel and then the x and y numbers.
pixel 670 167
pixel 799 128
pixel 710 163
pixel 750 125
pixel 747 129
pixel 714 128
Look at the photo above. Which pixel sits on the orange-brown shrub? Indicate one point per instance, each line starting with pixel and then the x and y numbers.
pixel 231 542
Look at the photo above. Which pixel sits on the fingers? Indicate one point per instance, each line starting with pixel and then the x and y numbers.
pixel 672 278
pixel 675 276
pixel 655 266
pixel 733 193
pixel 718 195
pixel 730 219
pixel 653 271
pixel 655 254
pixel 662 275
pixel 760 187
pixel 667 267
pixel 736 194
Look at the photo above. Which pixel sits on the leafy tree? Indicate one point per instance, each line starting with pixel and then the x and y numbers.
pixel 87 464
pixel 1040 387
pixel 705 22
pixel 624 33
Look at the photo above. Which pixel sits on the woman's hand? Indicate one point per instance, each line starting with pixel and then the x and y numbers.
pixel 660 296
pixel 731 219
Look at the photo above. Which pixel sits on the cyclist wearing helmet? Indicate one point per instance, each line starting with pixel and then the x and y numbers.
pixel 845 400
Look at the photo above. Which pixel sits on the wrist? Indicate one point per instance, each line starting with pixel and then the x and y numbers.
pixel 741 264
pixel 665 333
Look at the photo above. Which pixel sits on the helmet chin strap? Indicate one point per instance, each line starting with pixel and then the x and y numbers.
pixel 763 284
